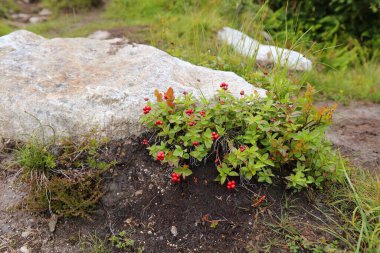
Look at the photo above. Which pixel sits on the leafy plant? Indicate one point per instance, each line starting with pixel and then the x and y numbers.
pixel 121 242
pixel 248 137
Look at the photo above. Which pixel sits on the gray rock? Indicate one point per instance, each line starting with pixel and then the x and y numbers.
pixel 21 17
pixel 77 84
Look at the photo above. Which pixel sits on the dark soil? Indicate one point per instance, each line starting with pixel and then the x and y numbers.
pixel 140 199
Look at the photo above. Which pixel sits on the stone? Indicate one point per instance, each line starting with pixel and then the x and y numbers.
pixel 77 84
pixel 21 17
pixel 174 231
pixel 138 193
pixel 264 54
pixel 44 12
pixel 52 223
pixel 37 19
pixel 100 35
pixel 24 249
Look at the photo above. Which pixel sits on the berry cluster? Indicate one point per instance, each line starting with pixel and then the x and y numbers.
pixel 189 112
pixel 231 185
pixel 192 123
pixel 202 113
pixel 147 109
pixel 175 178
pixel 160 155
pixel 196 143
pixel 215 136
pixel 224 86
pixel 158 122
pixel 145 142
pixel 242 148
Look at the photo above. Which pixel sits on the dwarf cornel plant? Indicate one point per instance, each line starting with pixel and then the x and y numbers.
pixel 249 137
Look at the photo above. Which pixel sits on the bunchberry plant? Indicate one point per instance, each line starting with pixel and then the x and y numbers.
pixel 249 137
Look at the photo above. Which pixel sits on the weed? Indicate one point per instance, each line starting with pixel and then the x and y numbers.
pixel 94 244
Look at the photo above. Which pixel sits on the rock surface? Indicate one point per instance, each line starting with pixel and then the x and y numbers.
pixel 76 84
pixel 264 54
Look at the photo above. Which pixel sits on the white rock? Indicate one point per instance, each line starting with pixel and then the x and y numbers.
pixel 24 249
pixel 100 35
pixel 174 231
pixel 37 19
pixel 44 12
pixel 264 54
pixel 76 84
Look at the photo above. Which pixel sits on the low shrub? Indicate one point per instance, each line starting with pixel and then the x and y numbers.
pixel 63 179
pixel 249 137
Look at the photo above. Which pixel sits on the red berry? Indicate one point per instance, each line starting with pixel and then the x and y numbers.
pixel 242 148
pixel 147 109
pixel 215 136
pixel 202 113
pixel 184 93
pixel 196 143
pixel 224 86
pixel 175 178
pixel 189 112
pixel 160 155
pixel 242 93
pixel 231 184
pixel 192 123
pixel 145 142
pixel 146 99
pixel 158 122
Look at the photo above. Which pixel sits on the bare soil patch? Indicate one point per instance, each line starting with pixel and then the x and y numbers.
pixel 356 132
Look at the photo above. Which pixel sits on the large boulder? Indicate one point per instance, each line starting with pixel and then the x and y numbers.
pixel 77 84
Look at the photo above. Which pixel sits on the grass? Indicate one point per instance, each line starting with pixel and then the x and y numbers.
pixel 357 205
pixel 4 28
pixel 358 83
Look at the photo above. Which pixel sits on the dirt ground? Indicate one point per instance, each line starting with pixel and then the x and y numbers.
pixel 356 132
pixel 196 216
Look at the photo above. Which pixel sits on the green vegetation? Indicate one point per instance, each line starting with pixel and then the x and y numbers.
pixel 6 6
pixel 4 28
pixel 274 137
pixel 64 179
pixel 357 209
pixel 326 20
